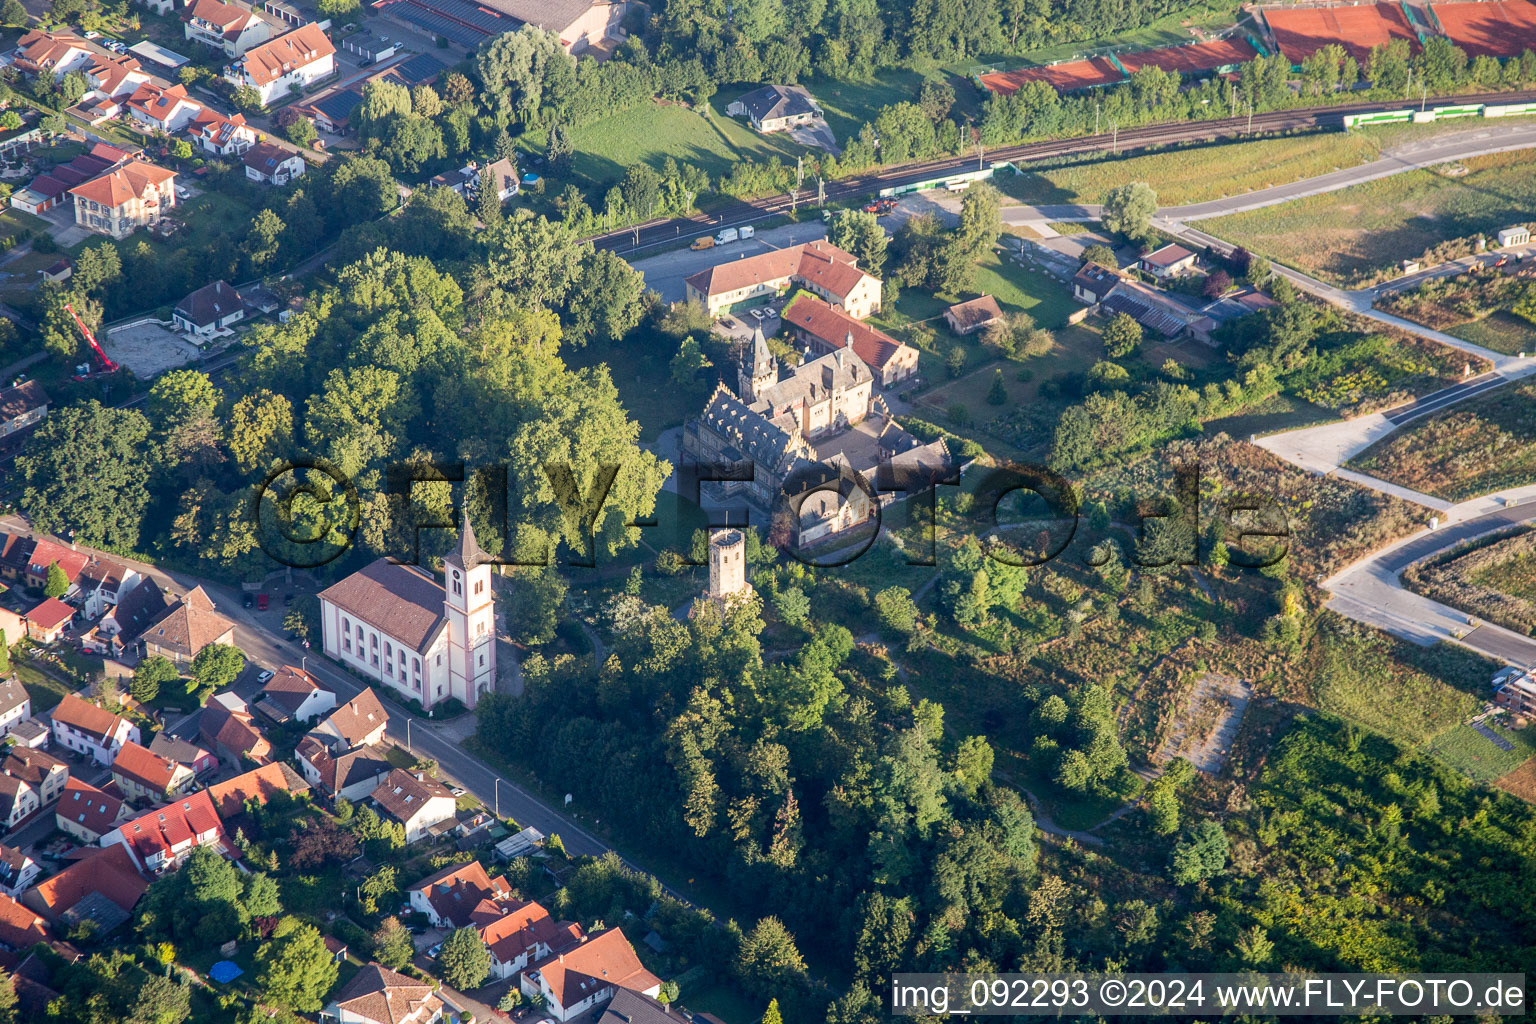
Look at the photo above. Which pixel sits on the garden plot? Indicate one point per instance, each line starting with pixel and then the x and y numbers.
pixel 1207 726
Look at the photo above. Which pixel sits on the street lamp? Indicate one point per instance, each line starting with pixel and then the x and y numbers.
pixel 496 793
pixel 408 735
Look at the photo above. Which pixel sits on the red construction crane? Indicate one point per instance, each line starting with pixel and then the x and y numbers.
pixel 103 361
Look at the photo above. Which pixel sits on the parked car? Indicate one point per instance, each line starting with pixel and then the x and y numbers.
pixel 432 953
pixel 249 600
pixel 702 243
pixel 261 602
pixel 264 676
pixel 758 314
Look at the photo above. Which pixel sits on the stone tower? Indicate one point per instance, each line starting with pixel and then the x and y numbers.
pixel 471 613
pixel 728 566
pixel 757 372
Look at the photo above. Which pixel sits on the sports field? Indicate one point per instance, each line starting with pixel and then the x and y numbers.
pixel 1065 77
pixel 1496 28
pixel 1189 59
pixel 1302 31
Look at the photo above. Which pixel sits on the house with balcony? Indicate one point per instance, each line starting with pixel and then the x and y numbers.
pixel 224 27
pixel 417 801
pixel 85 728
pixel 161 839
pixel 214 133
pixel 290 63
pixel 124 200
pixel 583 978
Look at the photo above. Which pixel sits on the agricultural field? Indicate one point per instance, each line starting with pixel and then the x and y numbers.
pixel 1357 236
pixel 1478 757
pixel 1484 445
pixel 1521 782
pixel 1495 580
pixel 650 134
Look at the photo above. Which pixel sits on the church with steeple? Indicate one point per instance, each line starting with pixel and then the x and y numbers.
pixel 427 641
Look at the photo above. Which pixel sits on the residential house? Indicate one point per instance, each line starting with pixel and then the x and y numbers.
pixel 224 27
pixel 776 108
pixel 292 695
pixel 102 886
pixel 29 735
pixel 87 813
pixel 18 801
pixel 332 112
pixel 351 775
pixel 17 871
pixel 28 559
pixel 55 53
pixel 85 728
pixel 46 774
pixel 1092 283
pixel 503 174
pixel 416 800
pixel 429 642
pixel 209 310
pixel 523 935
pixel 630 1007
pixel 973 315
pixel 15 702
pixel 451 897
pixel 123 200
pixel 377 995
pixel 199 760
pixel 49 189
pixel 20 928
pixel 290 63
pixel 214 133
pixel 229 729
pixel 826 329
pixel 270 164
pixel 360 722
pixel 821 268
pixel 22 408
pixel 573 982
pixel 1170 261
pixel 46 620
pixel 113 76
pixel 162 108
pixel 461 181
pixel 1517 693
pixel 186 627
pixel 145 777
pixel 102 583
pixel 259 784
pixel 164 837
pixel 133 612
pixel 1158 311
pixel 13 626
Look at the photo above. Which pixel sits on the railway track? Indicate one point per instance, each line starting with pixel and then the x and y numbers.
pixel 751 211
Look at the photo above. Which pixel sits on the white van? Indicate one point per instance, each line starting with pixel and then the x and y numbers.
pixel 747 232
pixel 728 235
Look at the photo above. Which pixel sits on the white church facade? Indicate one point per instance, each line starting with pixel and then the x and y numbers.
pixel 424 640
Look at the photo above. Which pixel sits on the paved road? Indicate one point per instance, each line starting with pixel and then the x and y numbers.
pixel 1438 400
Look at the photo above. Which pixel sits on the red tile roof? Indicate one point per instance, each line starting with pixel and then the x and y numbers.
pixel 816 318
pixel 85 717
pixel 820 263
pixel 177 822
pixel 259 784
pixel 379 994
pixel 456 891
pixel 109 871
pixel 275 58
pixel 604 959
pixel 123 185
pixel 19 927
pixel 90 808
pixel 50 614
pixel 138 764
pixel 45 552
pixel 523 928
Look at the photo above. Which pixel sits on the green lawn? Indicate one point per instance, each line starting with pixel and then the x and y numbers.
pixel 45 691
pixel 641 366
pixel 850 105
pixel 1357 235
pixel 1169 30
pixel 1501 331
pixel 1470 752
pixel 724 1002
pixel 1027 290
pixel 650 134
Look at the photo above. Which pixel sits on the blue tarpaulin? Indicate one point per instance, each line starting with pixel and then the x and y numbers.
pixel 225 971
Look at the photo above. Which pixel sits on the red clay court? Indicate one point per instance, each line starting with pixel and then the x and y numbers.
pixel 1194 57
pixel 1302 31
pixel 1495 28
pixel 1065 77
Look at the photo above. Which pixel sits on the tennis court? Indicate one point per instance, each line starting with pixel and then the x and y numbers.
pixel 1064 77
pixel 1495 28
pixel 1302 31
pixel 1191 58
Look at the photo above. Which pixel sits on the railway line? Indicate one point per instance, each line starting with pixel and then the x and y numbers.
pixel 744 212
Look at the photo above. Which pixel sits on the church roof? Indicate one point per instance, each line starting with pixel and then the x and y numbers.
pixel 402 602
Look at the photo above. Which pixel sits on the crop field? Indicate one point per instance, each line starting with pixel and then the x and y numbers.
pixel 1521 782
pixel 1472 753
pixel 1357 235
pixel 1483 445
pixel 652 133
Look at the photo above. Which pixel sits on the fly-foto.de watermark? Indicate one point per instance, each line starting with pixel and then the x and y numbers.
pixel 307 512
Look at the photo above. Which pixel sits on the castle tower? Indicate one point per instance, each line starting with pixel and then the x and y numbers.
pixel 471 613
pixel 757 373
pixel 728 566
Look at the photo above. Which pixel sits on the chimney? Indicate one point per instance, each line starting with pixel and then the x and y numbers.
pixel 838 355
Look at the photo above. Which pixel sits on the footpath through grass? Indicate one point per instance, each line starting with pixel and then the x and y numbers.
pixel 1358 235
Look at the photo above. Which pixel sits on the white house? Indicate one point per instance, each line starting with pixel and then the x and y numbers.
pixel 46 774
pixel 360 722
pixel 224 27
pixel 449 897
pixel 524 935
pixel 54 53
pixel 416 801
pixel 17 871
pixel 292 695
pixel 161 839
pixel 15 703
pixel 573 982
pixel 377 995
pixel 214 133
pixel 209 310
pixel 396 624
pixel 1172 260
pixel 352 775
pixel 289 63
pixel 102 583
pixel 84 728
pixel 272 165
pixel 17 801
pixel 167 109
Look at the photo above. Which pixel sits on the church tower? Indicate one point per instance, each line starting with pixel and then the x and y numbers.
pixel 758 372
pixel 471 613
